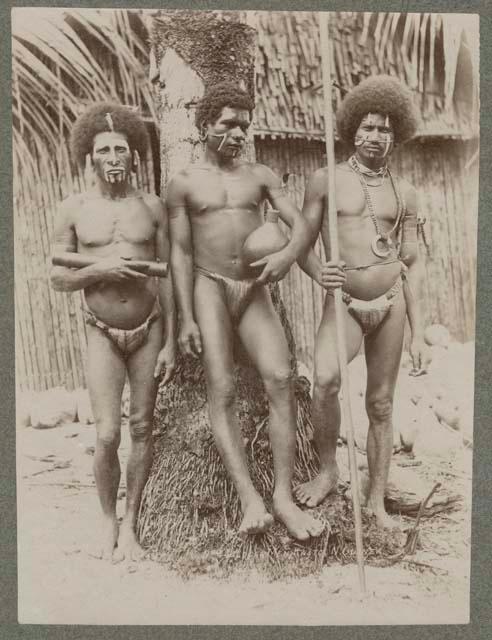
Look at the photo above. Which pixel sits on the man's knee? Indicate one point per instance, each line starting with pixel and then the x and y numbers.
pixel 326 384
pixel 277 380
pixel 108 437
pixel 379 408
pixel 140 427
pixel 222 391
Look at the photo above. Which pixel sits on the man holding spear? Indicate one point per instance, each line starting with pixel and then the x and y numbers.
pixel 380 273
pixel 115 235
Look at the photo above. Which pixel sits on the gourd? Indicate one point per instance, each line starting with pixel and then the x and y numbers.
pixel 264 240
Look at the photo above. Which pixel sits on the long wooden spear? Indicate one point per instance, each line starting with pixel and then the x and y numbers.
pixel 335 255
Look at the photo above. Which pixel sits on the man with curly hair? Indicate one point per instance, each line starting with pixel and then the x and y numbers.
pixel 214 205
pixel 130 316
pixel 380 273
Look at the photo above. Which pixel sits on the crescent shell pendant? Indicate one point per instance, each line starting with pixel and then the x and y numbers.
pixel 381 252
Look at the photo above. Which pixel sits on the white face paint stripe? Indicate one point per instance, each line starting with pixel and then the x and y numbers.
pixel 360 140
pixel 220 135
pixel 388 138
pixel 387 145
pixel 109 120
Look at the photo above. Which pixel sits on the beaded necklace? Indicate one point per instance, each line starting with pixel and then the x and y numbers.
pixel 365 171
pixel 380 237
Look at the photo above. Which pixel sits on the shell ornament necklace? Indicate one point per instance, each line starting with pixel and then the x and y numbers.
pixel 381 238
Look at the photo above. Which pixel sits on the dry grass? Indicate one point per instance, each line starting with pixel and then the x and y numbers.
pixel 190 512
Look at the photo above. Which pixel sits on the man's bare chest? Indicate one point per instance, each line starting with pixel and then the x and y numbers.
pixel 210 192
pixel 101 222
pixel 355 202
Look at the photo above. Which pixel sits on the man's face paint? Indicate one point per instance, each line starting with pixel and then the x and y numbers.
pixel 228 133
pixel 374 138
pixel 222 137
pixel 111 157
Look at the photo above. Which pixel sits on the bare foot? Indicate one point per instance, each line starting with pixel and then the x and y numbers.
pixel 128 547
pixel 300 524
pixel 107 542
pixel 256 518
pixel 383 520
pixel 312 493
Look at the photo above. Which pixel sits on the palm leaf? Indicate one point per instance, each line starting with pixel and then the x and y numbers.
pixel 56 43
pixel 65 59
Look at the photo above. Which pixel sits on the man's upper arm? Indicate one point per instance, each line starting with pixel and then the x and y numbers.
pixel 162 229
pixel 411 212
pixel 176 205
pixel 277 194
pixel 65 237
pixel 274 189
pixel 314 200
pixel 409 225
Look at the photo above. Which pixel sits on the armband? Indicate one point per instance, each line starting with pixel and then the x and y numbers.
pixel 409 228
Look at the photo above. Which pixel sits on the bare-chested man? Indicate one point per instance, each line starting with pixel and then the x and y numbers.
pixel 213 207
pixel 130 316
pixel 380 273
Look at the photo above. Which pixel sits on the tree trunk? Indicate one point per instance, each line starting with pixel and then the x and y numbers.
pixel 192 50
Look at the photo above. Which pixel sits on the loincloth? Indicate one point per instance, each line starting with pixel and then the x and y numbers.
pixel 237 293
pixel 370 313
pixel 126 340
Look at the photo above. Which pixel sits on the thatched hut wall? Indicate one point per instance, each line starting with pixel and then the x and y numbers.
pixel 435 55
pixel 446 175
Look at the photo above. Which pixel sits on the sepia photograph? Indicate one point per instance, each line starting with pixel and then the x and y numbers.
pixel 245 305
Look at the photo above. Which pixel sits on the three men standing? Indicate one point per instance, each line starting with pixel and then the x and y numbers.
pixel 214 205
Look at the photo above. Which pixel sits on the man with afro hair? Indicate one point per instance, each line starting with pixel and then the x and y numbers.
pixel 130 316
pixel 379 272
pixel 214 205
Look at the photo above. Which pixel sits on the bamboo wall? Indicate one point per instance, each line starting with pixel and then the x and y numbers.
pixel 50 340
pixel 445 172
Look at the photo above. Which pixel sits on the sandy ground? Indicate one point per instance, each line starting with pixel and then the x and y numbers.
pixel 61 583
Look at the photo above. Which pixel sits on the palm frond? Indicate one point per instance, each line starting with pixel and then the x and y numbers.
pixel 65 59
